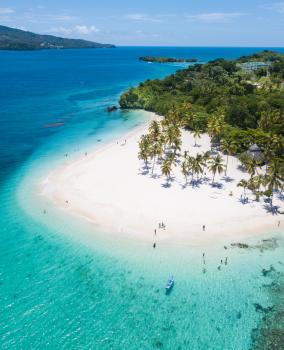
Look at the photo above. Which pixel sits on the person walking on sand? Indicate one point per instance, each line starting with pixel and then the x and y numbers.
pixel 155 232
pixel 203 227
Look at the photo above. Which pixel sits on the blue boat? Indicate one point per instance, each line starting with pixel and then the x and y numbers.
pixel 169 285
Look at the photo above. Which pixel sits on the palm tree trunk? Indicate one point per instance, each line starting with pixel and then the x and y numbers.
pixel 154 160
pixel 227 165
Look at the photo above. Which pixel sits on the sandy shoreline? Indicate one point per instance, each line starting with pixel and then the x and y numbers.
pixel 109 187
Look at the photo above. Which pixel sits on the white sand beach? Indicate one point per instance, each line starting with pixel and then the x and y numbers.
pixel 111 188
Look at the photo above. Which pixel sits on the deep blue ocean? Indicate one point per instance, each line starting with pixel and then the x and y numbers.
pixel 58 291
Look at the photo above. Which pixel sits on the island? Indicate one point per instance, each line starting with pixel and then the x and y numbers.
pixel 16 39
pixel 167 59
pixel 207 165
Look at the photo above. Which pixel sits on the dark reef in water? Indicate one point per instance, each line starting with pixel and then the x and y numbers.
pixel 265 244
pixel 270 333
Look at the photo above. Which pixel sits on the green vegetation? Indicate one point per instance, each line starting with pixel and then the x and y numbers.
pixel 167 59
pixel 16 39
pixel 236 107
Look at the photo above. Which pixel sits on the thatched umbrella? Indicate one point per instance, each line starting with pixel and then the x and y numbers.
pixel 255 153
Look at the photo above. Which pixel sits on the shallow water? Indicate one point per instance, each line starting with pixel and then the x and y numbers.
pixel 64 284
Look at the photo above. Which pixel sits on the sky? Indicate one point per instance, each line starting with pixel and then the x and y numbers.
pixel 153 22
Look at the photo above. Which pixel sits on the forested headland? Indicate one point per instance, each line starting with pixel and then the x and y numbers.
pixel 167 59
pixel 239 103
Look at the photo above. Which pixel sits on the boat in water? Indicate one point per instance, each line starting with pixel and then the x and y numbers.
pixel 169 285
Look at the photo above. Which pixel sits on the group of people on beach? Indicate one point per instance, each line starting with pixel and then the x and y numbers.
pixel 162 226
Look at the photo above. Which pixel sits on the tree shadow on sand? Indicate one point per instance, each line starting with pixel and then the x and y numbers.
pixel 271 209
pixel 244 200
pixel 155 176
pixel 168 182
pixel 144 170
pixel 195 183
pixel 241 168
pixel 227 179
pixel 280 196
pixel 217 185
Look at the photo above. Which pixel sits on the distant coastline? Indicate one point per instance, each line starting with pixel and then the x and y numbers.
pixel 167 59
pixel 20 40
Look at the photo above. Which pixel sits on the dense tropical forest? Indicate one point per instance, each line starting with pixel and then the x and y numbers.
pixel 166 59
pixel 239 103
pixel 16 39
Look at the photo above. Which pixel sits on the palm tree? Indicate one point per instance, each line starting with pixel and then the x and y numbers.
pixel 185 169
pixel 216 166
pixel 144 149
pixel 197 164
pixel 206 157
pixel 196 135
pixel 154 130
pixel 254 185
pixel 228 147
pixel 216 125
pixel 200 163
pixel 166 168
pixel 190 161
pixel 177 145
pixel 155 151
pixel 173 116
pixel 250 164
pixel 172 134
pixel 272 148
pixel 274 177
pixel 244 184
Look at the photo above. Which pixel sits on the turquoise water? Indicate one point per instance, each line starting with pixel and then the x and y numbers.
pixel 65 284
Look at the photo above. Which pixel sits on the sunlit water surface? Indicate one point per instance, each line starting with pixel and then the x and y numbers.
pixel 63 283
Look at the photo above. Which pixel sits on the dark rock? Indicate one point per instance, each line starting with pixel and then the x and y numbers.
pixel 240 245
pixel 111 109
pixel 260 308
pixel 266 272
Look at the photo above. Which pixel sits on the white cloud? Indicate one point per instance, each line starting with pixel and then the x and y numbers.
pixel 6 10
pixel 63 18
pixel 142 17
pixel 276 6
pixel 83 29
pixel 215 16
pixel 35 17
pixel 78 29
